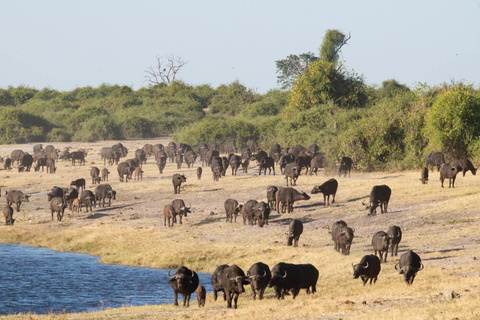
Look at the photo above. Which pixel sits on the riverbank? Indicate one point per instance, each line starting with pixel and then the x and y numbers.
pixel 441 225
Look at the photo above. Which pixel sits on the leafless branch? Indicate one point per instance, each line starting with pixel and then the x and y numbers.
pixel 166 70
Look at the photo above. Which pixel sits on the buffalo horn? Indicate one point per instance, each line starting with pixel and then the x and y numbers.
pixel 353 265
pixel 264 274
pixel 170 275
pixel 396 267
pixel 421 267
pixel 193 273
pixel 366 266
pixel 284 275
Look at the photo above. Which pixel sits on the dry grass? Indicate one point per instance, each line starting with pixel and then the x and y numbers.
pixel 442 225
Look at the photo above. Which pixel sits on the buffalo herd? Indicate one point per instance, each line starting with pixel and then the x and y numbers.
pixel 285 278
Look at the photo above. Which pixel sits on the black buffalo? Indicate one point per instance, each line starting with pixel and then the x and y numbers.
pixel 345 165
pixel 435 159
pixel 87 198
pixel 232 208
pixel 141 155
pixel 271 197
pixel 409 264
pixel 342 237
pixel 318 161
pixel 8 214
pixel 179 209
pixel 292 171
pixel 103 192
pixel 295 229
pixel 284 160
pixel 217 281
pixel 184 282
pixel 58 205
pixel 287 276
pixel 395 235
pixel 424 175
pixel 233 279
pixel 266 163
pixel 78 155
pixel 368 268
pixel 380 244
pixel 95 174
pixel 261 212
pixel 449 171
pixel 328 188
pixel 177 181
pixel 286 197
pixel 259 275
pixel 124 171
pixel 248 211
pixel 466 165
pixel 379 196
pixel 17 197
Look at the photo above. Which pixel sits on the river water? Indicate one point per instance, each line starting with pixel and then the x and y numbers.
pixel 41 281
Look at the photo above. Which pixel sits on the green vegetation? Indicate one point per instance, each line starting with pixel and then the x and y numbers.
pixel 387 127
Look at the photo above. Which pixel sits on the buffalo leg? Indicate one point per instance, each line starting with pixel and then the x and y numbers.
pixel 215 295
pixel 254 293
pixel 295 292
pixel 176 298
pixel 364 279
pixel 236 299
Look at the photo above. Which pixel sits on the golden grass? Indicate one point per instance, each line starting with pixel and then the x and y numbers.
pixel 442 225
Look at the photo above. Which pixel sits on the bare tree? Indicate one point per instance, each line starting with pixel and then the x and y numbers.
pixel 166 70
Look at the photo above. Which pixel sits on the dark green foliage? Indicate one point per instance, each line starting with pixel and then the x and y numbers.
pixel 292 67
pixel 136 127
pixel 22 94
pixel 6 98
pixel 231 99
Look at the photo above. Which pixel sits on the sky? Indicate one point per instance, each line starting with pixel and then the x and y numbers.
pixel 62 44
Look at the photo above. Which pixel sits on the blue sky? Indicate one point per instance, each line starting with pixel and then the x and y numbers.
pixel 67 44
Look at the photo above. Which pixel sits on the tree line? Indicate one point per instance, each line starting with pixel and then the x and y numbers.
pixel 380 127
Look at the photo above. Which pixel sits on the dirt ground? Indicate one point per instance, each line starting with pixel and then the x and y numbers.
pixel 441 224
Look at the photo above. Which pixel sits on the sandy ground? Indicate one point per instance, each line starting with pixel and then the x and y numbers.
pixel 440 224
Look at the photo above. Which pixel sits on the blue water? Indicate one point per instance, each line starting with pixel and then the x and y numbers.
pixel 42 281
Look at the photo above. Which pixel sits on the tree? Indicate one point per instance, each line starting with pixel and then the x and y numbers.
pixel 332 43
pixel 166 70
pixel 453 122
pixel 292 67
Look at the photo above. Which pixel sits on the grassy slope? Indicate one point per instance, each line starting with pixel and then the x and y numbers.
pixel 442 225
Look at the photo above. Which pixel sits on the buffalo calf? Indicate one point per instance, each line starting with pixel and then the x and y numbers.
pixel 201 296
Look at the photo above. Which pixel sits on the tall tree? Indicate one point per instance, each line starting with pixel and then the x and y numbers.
pixel 333 42
pixel 292 67
pixel 165 71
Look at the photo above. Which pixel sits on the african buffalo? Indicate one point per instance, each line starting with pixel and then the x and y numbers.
pixel 233 279
pixel 79 183
pixel 138 174
pixel 217 281
pixel 95 174
pixel 141 156
pixel 287 196
pixel 185 282
pixel 409 264
pixel 248 211
pixel 232 208
pixel 235 163
pixel 177 180
pixel 55 192
pixel 201 294
pixel 292 171
pixel 161 161
pixel 230 147
pixel 168 215
pixel 368 268
pixel 312 150
pixel 259 275
pixel 124 171
pixel 224 165
pixel 78 155
pixel 266 163
pixel 190 157
pixel 424 175
pixel 8 214
pixel 380 244
pixel 179 209
pixel 435 159
pixel 275 152
pixel 246 154
pixel 286 277
pixel 17 156
pixel 7 165
pixel 449 171
pixel 105 174
pixel 105 191
pixel 345 165
pixel 271 197
pixel 42 162
pixel 252 144
pixel 27 161
pixel 245 164
pixel 295 229
pixel 318 161
pixel 466 165
pixel 58 205
pixel 379 196
pixel 297 151
pixel 284 160
pixel 87 198
pixel 342 237
pixel 17 197
pixel 328 188
pixel 304 162
pixel 199 173
pixel 261 212
pixel 395 235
